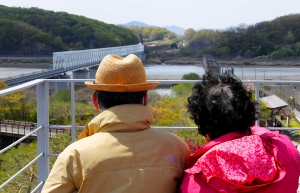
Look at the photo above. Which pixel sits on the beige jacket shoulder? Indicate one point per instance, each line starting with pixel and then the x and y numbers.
pixel 121 156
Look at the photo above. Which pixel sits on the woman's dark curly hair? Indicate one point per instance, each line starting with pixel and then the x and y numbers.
pixel 220 105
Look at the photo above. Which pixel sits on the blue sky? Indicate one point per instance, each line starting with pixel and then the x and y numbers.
pixel 197 14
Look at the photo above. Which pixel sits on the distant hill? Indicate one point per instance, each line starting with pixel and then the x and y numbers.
pixel 135 23
pixel 34 31
pixel 275 39
pixel 177 30
pixel 229 27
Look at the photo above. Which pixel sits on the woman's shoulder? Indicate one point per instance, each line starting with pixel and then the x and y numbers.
pixel 238 161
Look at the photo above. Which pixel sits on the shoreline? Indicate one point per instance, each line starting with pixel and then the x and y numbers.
pixel 224 63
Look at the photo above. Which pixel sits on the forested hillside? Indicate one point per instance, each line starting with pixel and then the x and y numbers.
pixel 30 31
pixel 279 38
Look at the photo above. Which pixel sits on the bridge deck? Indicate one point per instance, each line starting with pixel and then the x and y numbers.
pixel 18 128
pixel 73 60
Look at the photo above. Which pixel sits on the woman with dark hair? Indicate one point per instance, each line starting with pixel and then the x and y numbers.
pixel 239 156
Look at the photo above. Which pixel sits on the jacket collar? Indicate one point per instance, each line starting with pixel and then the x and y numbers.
pixel 129 117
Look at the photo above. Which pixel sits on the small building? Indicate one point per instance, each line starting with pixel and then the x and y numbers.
pixel 275 104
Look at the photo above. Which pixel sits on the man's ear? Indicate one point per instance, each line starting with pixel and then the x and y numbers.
pixel 94 98
pixel 145 99
pixel 207 138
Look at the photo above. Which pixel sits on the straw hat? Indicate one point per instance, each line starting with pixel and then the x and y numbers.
pixel 117 74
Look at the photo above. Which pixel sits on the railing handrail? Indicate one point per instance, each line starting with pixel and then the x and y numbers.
pixel 161 82
pixel 44 126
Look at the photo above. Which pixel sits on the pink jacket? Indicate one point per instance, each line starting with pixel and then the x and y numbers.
pixel 265 161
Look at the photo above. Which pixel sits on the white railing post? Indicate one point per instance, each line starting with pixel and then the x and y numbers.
pixel 73 111
pixel 43 134
pixel 257 85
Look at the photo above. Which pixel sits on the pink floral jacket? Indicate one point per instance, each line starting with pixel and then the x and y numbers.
pixel 265 161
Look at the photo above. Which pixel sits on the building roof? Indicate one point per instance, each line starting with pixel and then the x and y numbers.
pixel 273 102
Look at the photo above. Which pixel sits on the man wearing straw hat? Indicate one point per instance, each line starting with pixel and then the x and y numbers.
pixel 118 151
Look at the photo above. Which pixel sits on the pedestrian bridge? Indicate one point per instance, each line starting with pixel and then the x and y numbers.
pixel 43 127
pixel 74 60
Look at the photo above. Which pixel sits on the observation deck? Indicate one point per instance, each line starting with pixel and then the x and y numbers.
pixel 41 86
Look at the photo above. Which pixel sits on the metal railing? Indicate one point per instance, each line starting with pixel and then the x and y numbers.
pixel 70 60
pixel 43 126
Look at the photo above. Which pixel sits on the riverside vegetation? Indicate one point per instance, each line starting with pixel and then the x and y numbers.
pixel 168 110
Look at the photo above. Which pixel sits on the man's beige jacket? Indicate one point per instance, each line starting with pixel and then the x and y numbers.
pixel 119 152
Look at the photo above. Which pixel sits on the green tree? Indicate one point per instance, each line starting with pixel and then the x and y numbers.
pixel 186 52
pixel 264 113
pixel 58 42
pixel 191 76
pixel 11 105
pixel 290 37
pixel 203 38
pixel 182 89
pixel 78 46
pixel 223 51
pixel 146 33
pixel 275 55
pixel 282 53
pixel 189 35
pixel 185 89
pixel 207 50
pixel 297 48
pixel 43 37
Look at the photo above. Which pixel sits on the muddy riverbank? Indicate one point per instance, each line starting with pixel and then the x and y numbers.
pixel 9 62
pixel 231 63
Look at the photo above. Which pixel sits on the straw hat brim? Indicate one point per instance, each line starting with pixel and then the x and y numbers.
pixel 122 88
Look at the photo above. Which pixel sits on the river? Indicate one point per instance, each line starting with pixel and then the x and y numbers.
pixel 175 72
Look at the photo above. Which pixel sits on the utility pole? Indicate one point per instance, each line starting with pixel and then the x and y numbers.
pixel 264 73
pixel 242 72
pixel 294 92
